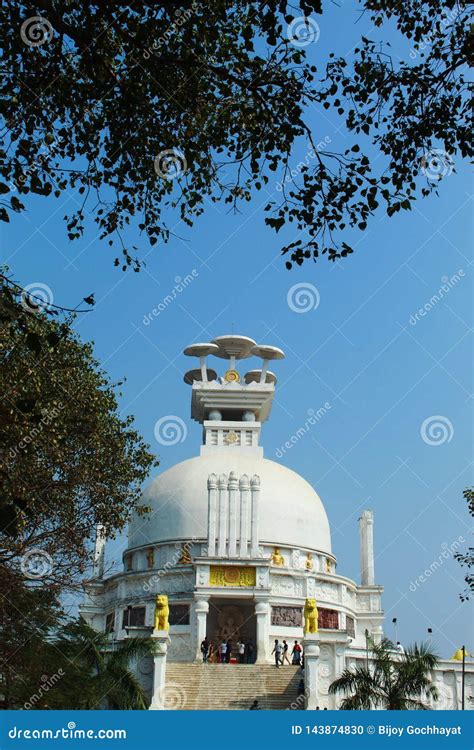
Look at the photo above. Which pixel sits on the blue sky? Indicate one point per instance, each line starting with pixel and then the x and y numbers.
pixel 383 376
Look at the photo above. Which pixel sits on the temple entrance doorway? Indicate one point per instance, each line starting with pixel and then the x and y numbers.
pixel 234 620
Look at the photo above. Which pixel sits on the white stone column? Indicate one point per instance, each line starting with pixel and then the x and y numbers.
pixel 244 485
pixel 366 530
pixel 223 505
pixel 311 661
pixel 233 516
pixel 201 609
pixel 212 514
pixel 99 551
pixel 162 640
pixel 262 613
pixel 255 489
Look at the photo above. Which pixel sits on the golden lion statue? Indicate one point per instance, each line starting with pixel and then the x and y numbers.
pixel 162 611
pixel 310 616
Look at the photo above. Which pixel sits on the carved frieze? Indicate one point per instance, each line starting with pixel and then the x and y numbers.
pixel 286 585
pixel 291 617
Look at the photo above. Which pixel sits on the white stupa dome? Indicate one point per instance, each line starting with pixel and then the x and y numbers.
pixel 290 511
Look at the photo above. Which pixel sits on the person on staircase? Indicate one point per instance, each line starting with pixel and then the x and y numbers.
pixel 241 651
pixel 222 652
pixel 254 706
pixel 250 652
pixel 277 650
pixel 228 653
pixel 205 645
pixel 285 654
pixel 296 653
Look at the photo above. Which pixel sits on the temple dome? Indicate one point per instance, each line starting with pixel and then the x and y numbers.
pixel 290 511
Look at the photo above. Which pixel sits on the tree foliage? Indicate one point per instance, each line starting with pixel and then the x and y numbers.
pixel 45 658
pixel 68 460
pixel 466 559
pixel 149 109
pixel 393 681
pixel 28 616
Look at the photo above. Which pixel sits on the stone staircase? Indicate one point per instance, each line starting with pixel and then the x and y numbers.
pixel 231 686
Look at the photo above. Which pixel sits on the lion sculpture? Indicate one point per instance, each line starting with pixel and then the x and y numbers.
pixel 310 616
pixel 162 611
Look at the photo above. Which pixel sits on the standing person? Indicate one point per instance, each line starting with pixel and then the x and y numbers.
pixel 241 649
pixel 205 645
pixel 277 650
pixel 285 653
pixel 228 652
pixel 296 653
pixel 222 652
pixel 212 653
pixel 250 652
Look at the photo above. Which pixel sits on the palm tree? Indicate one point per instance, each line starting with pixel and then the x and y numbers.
pixel 394 681
pixel 96 673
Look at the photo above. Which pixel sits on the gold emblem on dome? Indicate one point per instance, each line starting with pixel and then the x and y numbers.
pixel 232 376
pixel 231 437
pixel 309 561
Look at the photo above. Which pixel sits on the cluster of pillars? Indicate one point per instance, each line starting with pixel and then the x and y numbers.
pixel 262 613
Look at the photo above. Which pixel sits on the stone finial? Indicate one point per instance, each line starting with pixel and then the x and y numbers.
pixel 212 481
pixel 244 482
pixel 255 481
pixel 223 481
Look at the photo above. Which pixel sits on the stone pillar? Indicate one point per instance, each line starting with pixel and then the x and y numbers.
pixel 223 504
pixel 212 514
pixel 233 516
pixel 366 530
pixel 201 609
pixel 262 612
pixel 99 551
pixel 311 661
pixel 255 487
pixel 162 640
pixel 244 485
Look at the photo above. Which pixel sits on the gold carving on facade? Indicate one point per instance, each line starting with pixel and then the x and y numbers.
pixel 232 575
pixel 277 557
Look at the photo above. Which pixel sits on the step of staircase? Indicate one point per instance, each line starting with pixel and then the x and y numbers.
pixel 231 687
